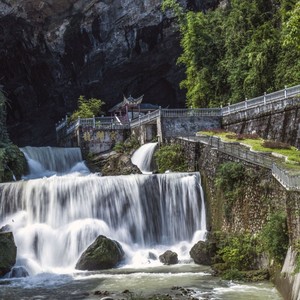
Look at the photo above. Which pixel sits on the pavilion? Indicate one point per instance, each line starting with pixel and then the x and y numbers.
pixel 131 108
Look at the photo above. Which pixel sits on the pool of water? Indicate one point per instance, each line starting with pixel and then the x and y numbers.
pixel 143 282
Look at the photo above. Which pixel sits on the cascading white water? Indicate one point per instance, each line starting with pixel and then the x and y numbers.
pixel 54 219
pixel 47 161
pixel 142 157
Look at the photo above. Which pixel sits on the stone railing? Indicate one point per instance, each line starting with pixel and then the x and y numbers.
pixel 264 103
pixel 177 113
pixel 95 122
pixel 145 118
pixel 238 151
pixel 192 112
pixel 262 100
pixel 289 181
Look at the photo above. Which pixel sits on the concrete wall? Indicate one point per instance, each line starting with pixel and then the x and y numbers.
pixel 186 126
pixel 145 133
pixel 281 123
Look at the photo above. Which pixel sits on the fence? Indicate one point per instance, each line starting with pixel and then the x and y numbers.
pixel 262 100
pixel 290 182
pixel 192 112
pixel 97 123
pixel 145 118
pixel 267 102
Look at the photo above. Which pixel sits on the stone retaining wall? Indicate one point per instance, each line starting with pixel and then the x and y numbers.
pixel 260 196
pixel 281 124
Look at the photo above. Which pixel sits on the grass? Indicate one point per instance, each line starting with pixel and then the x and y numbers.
pixel 292 154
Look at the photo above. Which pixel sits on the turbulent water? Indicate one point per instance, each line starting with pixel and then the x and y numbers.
pixel 54 219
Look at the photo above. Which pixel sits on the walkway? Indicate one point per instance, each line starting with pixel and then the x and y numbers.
pixel 289 181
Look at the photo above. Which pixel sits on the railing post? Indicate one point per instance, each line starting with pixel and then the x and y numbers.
pixel 285 92
pixel 94 122
pixel 246 103
pixel 265 98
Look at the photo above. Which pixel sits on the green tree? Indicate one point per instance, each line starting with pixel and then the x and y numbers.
pixel 238 51
pixel 87 108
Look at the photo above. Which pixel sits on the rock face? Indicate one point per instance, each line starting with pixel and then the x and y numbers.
pixel 103 253
pixel 119 164
pixel 8 252
pixel 51 52
pixel 169 258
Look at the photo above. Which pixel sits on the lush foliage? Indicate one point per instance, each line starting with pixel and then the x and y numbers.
pixel 170 157
pixel 229 179
pixel 12 160
pixel 274 236
pixel 87 108
pixel 238 51
pixel 127 146
pixel 239 253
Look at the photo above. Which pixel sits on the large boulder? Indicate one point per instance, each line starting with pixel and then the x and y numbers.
pixel 103 253
pixel 169 258
pixel 203 252
pixel 8 252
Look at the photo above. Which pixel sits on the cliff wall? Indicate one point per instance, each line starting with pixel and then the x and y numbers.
pixel 51 52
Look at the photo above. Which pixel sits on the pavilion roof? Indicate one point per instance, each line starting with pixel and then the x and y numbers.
pixel 130 102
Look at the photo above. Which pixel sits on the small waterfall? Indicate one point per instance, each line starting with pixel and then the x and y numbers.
pixel 48 161
pixel 142 157
pixel 54 219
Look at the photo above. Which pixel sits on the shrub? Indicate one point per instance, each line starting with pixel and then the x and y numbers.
pixel 274 236
pixel 276 145
pixel 170 157
pixel 239 252
pixel 126 146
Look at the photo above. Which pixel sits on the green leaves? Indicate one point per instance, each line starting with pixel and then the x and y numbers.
pixel 240 51
pixel 274 236
pixel 170 158
pixel 87 108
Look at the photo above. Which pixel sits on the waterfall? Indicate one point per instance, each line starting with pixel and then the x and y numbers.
pixel 142 157
pixel 47 161
pixel 54 219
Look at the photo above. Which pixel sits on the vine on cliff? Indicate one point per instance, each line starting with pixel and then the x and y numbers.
pixel 274 236
pixel 230 176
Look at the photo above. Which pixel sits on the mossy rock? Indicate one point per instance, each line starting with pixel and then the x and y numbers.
pixel 103 253
pixel 8 252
